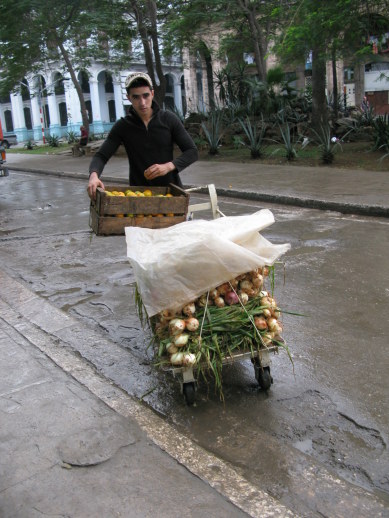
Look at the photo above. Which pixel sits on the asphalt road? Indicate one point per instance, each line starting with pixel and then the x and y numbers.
pixel 318 440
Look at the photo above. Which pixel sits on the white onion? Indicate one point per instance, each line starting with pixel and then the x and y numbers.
pixel 246 285
pixel 260 323
pixel 176 326
pixel 213 294
pixel 219 302
pixel 171 348
pixel 266 313
pixel 257 281
pixel 189 309
pixel 181 340
pixel 244 298
pixel 189 359
pixel 167 314
pixel 192 324
pixel 176 358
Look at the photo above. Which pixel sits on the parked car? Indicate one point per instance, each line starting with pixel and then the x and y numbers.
pixel 8 141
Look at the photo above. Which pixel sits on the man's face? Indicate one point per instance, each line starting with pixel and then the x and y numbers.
pixel 141 99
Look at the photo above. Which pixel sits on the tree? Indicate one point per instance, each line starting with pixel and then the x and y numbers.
pixel 38 33
pixel 327 30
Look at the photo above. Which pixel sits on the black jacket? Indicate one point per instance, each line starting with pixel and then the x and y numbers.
pixel 147 146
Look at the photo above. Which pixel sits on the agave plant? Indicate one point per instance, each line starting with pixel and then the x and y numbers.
pixel 213 130
pixel 289 143
pixel 328 144
pixel 255 136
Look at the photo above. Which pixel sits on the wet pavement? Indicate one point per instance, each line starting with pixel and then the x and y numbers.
pixel 68 256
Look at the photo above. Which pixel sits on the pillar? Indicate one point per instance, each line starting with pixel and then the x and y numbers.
pixel 98 126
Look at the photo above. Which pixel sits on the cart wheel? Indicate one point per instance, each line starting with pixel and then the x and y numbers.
pixel 189 393
pixel 263 377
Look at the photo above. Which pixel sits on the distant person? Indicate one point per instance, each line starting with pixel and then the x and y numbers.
pixel 148 134
pixel 83 140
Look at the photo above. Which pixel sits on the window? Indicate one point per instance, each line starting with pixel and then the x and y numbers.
pixel 63 114
pixel 348 74
pixel 112 110
pixel 89 110
pixel 27 117
pixel 9 125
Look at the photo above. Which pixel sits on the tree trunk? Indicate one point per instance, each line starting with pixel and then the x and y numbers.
pixel 84 112
pixel 334 83
pixel 319 102
pixel 259 44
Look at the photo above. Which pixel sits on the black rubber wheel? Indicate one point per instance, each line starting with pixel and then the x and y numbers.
pixel 189 393
pixel 263 377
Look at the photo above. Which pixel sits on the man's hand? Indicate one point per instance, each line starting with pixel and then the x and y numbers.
pixel 156 170
pixel 94 182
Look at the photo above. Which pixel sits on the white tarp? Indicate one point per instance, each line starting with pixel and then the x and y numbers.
pixel 173 266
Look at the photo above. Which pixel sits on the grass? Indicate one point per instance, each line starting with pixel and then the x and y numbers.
pixel 353 155
pixel 41 150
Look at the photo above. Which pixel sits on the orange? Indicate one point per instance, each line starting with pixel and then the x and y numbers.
pixel 147 192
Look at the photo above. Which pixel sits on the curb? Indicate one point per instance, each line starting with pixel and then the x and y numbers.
pixel 308 203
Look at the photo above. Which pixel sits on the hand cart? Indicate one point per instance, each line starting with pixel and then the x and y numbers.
pixel 260 358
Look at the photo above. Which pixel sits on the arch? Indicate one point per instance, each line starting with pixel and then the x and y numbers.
pixel 106 96
pixel 58 83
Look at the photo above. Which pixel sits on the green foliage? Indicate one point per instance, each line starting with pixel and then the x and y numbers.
pixel 30 144
pixel 288 141
pixel 255 135
pixel 213 130
pixel 53 140
pixel 327 144
pixel 71 137
pixel 381 132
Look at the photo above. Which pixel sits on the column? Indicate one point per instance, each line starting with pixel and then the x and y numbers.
pixel 178 94
pixel 190 81
pixel 73 107
pixel 53 110
pixel 20 129
pixel 117 92
pixel 36 117
pixel 98 126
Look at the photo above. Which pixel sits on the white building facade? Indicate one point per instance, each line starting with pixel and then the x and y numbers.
pixel 48 103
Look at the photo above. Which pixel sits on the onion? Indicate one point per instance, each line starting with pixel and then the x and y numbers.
pixel 264 294
pixel 266 312
pixel 260 323
pixel 257 281
pixel 176 326
pixel 171 348
pixel 223 288
pixel 274 325
pixel 267 338
pixel 265 271
pixel 192 324
pixel 167 314
pixel 219 302
pixel 176 358
pixel 213 294
pixel 265 301
pixel 181 340
pixel 202 301
pixel 189 309
pixel 189 359
pixel 244 298
pixel 231 298
pixel 234 283
pixel 276 313
pixel 246 285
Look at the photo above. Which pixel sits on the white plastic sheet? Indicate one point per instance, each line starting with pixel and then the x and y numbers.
pixel 173 266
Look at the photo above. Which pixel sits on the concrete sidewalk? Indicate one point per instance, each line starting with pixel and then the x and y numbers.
pixel 73 444
pixel 343 190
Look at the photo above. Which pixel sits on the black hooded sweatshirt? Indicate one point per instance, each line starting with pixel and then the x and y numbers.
pixel 149 145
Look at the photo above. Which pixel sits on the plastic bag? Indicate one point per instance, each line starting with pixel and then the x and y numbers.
pixel 175 265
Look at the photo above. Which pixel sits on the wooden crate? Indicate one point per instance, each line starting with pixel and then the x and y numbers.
pixel 109 215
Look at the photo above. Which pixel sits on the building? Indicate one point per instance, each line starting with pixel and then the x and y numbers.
pixel 48 104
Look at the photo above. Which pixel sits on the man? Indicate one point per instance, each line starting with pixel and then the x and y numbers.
pixel 148 135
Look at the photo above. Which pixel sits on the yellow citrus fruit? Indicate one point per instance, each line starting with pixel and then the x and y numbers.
pixel 120 215
pixel 109 193
pixel 168 195
pixel 128 192
pixel 129 215
pixel 147 192
pixel 170 215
